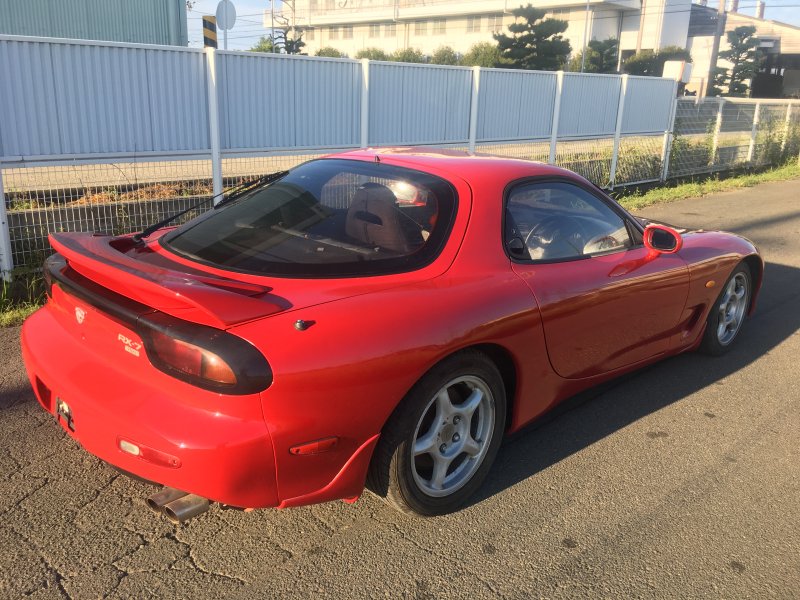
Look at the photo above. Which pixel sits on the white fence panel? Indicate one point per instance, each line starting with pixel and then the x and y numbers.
pixel 418 104
pixel 648 101
pixel 70 98
pixel 28 103
pixel 515 105
pixel 272 102
pixel 589 105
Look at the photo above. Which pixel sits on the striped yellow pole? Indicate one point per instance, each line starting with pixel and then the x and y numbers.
pixel 210 32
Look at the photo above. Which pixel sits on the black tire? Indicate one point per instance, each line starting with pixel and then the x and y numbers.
pixel 395 474
pixel 713 343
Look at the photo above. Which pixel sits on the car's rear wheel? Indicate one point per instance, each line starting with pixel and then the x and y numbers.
pixel 728 313
pixel 439 444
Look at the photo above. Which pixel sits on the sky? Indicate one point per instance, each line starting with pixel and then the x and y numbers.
pixel 248 28
pixel 245 33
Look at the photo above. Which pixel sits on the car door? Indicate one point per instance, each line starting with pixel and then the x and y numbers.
pixel 606 301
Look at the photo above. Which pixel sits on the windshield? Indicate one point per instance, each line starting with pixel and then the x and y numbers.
pixel 329 218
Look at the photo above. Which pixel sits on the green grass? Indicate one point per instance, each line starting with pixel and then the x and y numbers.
pixel 710 186
pixel 15 315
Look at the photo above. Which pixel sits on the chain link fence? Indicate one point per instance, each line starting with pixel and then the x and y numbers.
pixel 120 197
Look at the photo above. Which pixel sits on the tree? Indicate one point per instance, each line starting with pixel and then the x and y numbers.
pixel 536 42
pixel 651 63
pixel 642 63
pixel 330 52
pixel 483 54
pixel 601 57
pixel 744 58
pixel 718 77
pixel 265 44
pixel 409 55
pixel 445 55
pixel 372 54
pixel 290 45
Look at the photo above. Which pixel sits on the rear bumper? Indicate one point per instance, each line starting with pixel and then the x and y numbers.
pixel 223 447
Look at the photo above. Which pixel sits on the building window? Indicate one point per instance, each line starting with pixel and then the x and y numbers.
pixel 347 32
pixel 309 34
pixel 421 28
pixel 333 34
pixel 374 30
pixel 390 30
pixel 473 24
pixel 329 4
pixel 494 23
pixel 438 26
pixel 312 5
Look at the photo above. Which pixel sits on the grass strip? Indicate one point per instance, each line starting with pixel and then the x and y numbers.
pixel 684 191
pixel 15 315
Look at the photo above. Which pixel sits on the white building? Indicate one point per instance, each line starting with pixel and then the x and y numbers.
pixel 352 25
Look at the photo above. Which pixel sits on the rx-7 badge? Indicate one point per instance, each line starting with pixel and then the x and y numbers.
pixel 130 345
pixel 80 314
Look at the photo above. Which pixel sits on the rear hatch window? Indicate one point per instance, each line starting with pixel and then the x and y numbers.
pixel 327 218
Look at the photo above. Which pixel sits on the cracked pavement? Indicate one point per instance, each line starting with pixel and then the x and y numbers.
pixel 682 480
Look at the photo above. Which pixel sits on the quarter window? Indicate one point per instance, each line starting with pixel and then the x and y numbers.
pixel 559 220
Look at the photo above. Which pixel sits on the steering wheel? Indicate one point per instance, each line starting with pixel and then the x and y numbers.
pixel 550 232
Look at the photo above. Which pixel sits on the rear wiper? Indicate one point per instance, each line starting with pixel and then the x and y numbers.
pixel 233 194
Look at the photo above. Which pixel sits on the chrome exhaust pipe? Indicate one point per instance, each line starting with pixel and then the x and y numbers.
pixel 184 508
pixel 159 500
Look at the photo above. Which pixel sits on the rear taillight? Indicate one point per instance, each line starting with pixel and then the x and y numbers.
pixel 203 356
pixel 192 360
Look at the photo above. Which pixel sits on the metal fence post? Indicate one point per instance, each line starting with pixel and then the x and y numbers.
pixel 753 132
pixel 473 107
pixel 668 134
pixel 717 127
pixel 6 260
pixel 556 116
pixel 612 176
pixel 787 122
pixel 364 102
pixel 213 122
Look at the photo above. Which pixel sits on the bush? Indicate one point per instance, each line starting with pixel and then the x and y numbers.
pixel 330 52
pixel 445 55
pixel 372 54
pixel 408 55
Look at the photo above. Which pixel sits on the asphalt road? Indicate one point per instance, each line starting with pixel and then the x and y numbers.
pixel 680 481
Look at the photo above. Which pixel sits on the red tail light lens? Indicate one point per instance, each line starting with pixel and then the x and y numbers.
pixel 192 360
pixel 203 356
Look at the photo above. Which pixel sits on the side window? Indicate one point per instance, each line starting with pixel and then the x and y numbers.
pixel 559 220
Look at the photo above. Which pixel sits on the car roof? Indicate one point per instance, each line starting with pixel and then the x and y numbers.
pixel 466 165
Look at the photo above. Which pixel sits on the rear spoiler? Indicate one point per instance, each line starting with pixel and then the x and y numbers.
pixel 185 294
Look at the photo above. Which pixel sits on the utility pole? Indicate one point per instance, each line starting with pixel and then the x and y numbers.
pixel 715 46
pixel 585 35
pixel 272 25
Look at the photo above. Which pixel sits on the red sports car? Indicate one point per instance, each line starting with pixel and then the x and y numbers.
pixel 378 318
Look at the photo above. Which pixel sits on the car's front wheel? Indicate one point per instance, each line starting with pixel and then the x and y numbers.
pixel 440 442
pixel 728 313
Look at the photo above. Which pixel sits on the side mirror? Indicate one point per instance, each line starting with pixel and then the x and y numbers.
pixel 662 239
